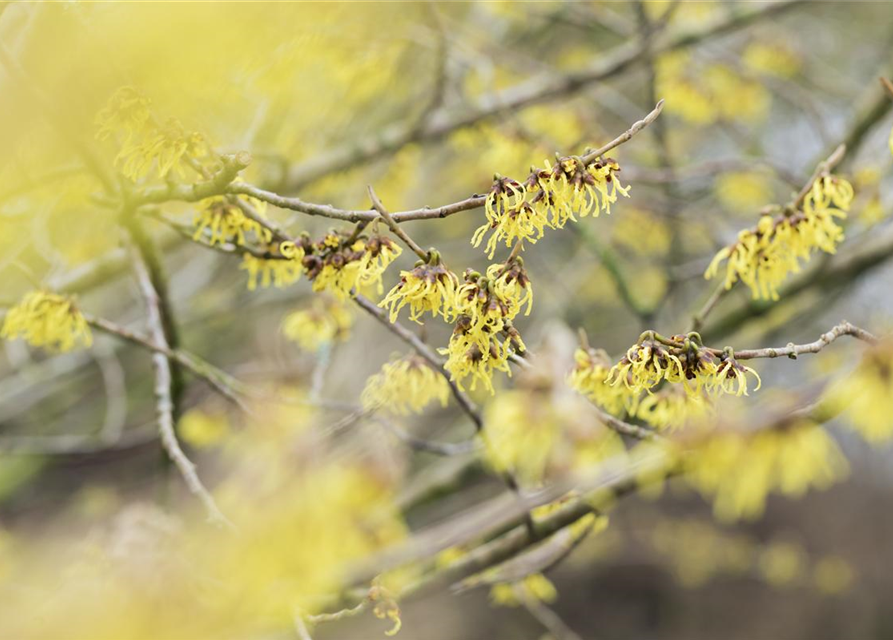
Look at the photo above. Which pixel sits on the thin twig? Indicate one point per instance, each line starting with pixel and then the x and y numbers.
pixel 792 350
pixel 543 614
pixel 394 227
pixel 164 402
pixel 219 380
pixel 426 352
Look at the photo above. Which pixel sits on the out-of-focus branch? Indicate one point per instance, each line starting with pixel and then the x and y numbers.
pixel 163 394
pixel 219 380
pixel 537 90
pixel 543 614
pixel 463 400
pixel 426 352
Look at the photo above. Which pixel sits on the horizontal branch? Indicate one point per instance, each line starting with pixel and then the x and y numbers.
pixel 793 350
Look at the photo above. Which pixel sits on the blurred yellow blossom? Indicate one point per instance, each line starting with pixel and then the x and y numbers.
pixel 738 469
pixel 866 396
pixel 772 59
pixel 744 191
pixel 535 587
pixel 782 563
pixel 832 575
pixel 47 320
pixel 326 321
pixel 405 386
pixel 203 429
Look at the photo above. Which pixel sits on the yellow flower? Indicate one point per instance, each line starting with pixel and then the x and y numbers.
pixel 535 586
pixel 773 59
pixel 126 114
pixel 738 468
pixel 47 320
pixel 143 141
pixel 226 222
pixel 764 256
pixel 548 198
pixel 671 408
pixel 644 365
pixel 166 146
pixel 866 396
pixel 281 269
pixel 326 321
pixel 468 357
pixel 490 303
pixel 405 386
pixel 342 265
pixel 590 378
pixel 731 376
pixel 680 359
pixel 511 284
pixel 743 191
pixel 429 288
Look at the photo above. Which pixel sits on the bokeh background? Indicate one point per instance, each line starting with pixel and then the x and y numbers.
pixel 426 101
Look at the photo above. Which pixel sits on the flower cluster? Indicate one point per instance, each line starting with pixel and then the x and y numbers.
pixel 143 141
pixel 548 198
pixel 483 335
pixel 225 221
pixel 326 321
pixel 739 468
pixel 342 264
pixel 429 288
pixel 764 256
pixel 680 359
pixel 404 386
pixel 339 263
pixel 47 320
pixel 866 397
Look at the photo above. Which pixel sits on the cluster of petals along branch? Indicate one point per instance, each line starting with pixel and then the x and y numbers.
pixel 548 198
pixel 763 256
pixel 665 409
pixel 340 263
pixel 47 320
pixel 224 221
pixel 683 360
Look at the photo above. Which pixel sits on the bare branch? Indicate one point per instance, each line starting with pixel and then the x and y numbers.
pixel 792 350
pixel 164 402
